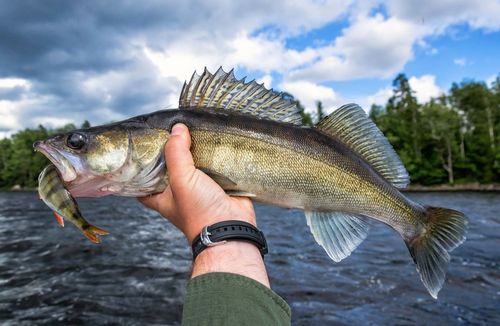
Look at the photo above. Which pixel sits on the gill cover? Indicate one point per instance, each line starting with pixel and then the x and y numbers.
pixel 107 151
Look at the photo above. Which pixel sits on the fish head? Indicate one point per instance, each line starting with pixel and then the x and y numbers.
pixel 122 159
pixel 87 153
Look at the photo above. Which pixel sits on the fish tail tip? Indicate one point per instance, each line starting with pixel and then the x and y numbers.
pixel 444 231
pixel 93 232
pixel 92 237
pixel 99 231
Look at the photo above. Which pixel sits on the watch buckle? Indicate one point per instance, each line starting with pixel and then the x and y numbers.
pixel 205 239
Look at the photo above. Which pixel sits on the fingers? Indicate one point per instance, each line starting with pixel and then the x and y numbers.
pixel 179 160
pixel 149 201
pixel 161 202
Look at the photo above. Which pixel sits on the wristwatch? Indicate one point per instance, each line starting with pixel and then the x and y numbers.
pixel 221 232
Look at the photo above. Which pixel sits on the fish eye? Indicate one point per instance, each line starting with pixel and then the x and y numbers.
pixel 76 141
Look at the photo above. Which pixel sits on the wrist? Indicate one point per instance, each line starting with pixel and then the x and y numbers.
pixel 194 229
pixel 237 257
pixel 233 230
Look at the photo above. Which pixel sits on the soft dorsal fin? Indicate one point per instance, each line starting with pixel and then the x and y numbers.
pixel 223 91
pixel 352 126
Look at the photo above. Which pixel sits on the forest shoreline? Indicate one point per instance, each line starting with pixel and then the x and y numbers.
pixel 492 187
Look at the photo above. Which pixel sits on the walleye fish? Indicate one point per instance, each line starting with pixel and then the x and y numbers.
pixel 52 192
pixel 341 172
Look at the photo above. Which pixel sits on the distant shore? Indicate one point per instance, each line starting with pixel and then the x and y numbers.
pixel 411 188
pixel 18 188
pixel 448 187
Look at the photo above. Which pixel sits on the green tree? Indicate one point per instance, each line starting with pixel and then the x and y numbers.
pixel 306 117
pixel 476 104
pixel 403 104
pixel 86 124
pixel 320 114
pixel 6 172
pixel 23 160
pixel 495 104
pixel 441 138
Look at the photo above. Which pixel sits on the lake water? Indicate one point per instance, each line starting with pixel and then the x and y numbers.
pixel 137 276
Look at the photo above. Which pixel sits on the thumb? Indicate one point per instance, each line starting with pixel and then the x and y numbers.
pixel 180 165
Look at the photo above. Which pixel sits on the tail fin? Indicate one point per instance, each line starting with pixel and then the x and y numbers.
pixel 93 232
pixel 444 231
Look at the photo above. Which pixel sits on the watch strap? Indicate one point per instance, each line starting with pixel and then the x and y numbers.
pixel 219 233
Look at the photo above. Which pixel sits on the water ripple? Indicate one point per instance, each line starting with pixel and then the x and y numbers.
pixel 51 275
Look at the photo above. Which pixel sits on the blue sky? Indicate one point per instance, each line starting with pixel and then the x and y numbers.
pixel 68 61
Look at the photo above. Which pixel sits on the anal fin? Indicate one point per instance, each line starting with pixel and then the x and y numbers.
pixel 338 233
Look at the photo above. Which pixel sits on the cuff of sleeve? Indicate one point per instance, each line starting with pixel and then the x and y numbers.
pixel 231 299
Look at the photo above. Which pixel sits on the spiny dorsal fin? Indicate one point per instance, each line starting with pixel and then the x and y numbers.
pixel 350 124
pixel 223 91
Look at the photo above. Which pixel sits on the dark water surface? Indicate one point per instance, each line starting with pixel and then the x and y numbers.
pixel 137 276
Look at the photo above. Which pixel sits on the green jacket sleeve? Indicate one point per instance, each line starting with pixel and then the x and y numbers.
pixel 231 299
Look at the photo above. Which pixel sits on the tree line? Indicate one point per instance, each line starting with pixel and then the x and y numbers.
pixel 452 139
pixel 19 163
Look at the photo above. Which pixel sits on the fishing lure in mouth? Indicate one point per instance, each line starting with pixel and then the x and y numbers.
pixel 53 193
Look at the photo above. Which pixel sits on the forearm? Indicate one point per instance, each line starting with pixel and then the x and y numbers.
pixel 229 286
pixel 237 257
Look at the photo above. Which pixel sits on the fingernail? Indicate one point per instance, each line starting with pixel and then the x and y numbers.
pixel 177 130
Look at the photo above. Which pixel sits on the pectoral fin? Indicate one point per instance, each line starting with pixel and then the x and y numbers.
pixel 227 184
pixel 236 193
pixel 220 179
pixel 338 233
pixel 59 219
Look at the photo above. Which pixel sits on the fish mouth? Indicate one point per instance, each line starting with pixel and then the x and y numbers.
pixel 64 166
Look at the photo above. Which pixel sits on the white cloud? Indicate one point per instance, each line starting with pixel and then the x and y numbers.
pixel 259 53
pixel 309 93
pixel 439 15
pixel 425 87
pixel 491 79
pixel 8 118
pixel 460 62
pixel 14 82
pixel 372 46
pixel 161 55
pixel 379 98
pixel 254 53
pixel 377 46
pixel 6 134
pixel 267 80
pixel 30 109
pixel 54 122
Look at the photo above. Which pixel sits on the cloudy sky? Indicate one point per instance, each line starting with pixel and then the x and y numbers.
pixel 70 61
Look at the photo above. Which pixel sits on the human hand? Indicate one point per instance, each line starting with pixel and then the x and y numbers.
pixel 193 200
